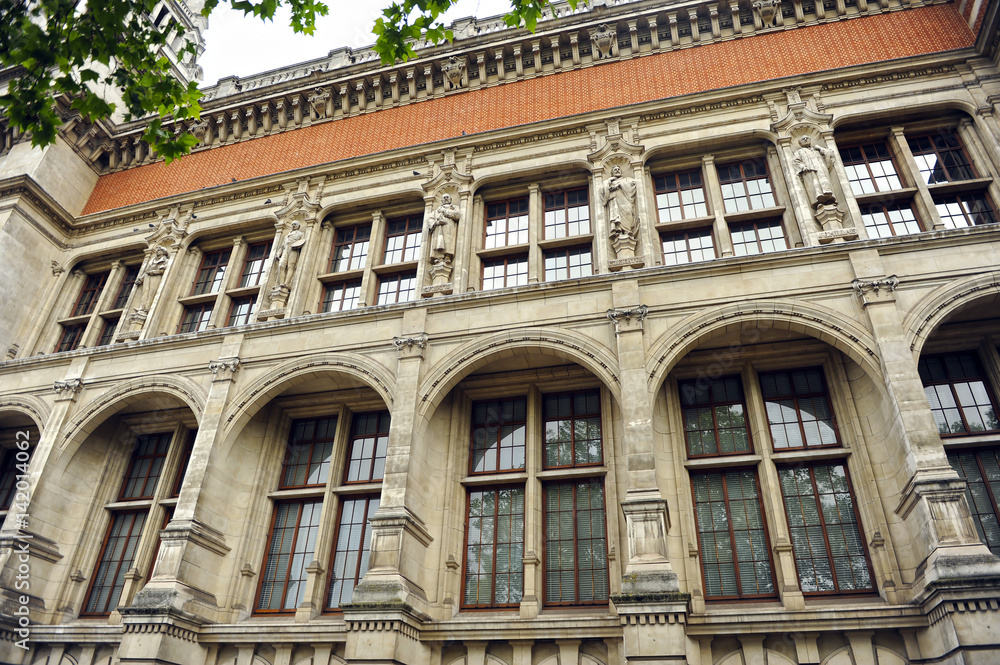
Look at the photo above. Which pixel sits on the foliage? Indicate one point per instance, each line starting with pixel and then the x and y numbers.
pixel 87 53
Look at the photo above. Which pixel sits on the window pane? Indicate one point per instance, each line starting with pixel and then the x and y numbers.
pixel 342 297
pixel 117 559
pixel 369 444
pixel 757 237
pixel 572 425
pixel 575 543
pixel 960 399
pixel 307 456
pixel 687 247
pixel 567 213
pixel 714 416
pixel 798 409
pixel 981 471
pixel 353 547
pixel 506 223
pixel 890 219
pixel 402 240
pixel 964 210
pixel 90 293
pixel 291 549
pixel 870 168
pixel 568 263
pixel 940 157
pixel 397 288
pixel 211 273
pixel 494 548
pixel 350 248
pixel 745 186
pixel 826 538
pixel 253 264
pixel 144 469
pixel 680 196
pixel 498 430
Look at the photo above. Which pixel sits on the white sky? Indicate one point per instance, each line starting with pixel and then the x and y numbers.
pixel 241 46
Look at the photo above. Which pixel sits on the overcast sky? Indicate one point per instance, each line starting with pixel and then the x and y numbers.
pixel 238 46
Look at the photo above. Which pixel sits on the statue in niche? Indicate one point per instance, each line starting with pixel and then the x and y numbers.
pixel 148 280
pixel 618 196
pixel 441 226
pixel 288 254
pixel 812 163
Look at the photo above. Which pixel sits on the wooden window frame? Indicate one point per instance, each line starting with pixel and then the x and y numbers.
pixel 201 310
pixel 252 272
pixel 746 196
pixel 93 286
pixel 465 546
pixel 311 443
pixel 192 435
pixel 994 499
pixel 8 476
pixel 962 199
pixel 125 288
pixel 573 418
pixel 715 420
pixel 662 185
pixel 499 425
pixel 384 423
pixel 574 482
pixel 234 318
pixel 507 261
pixel 983 376
pixel 211 270
pixel 296 532
pixel 136 458
pixel 686 235
pixel 867 161
pixel 565 207
pixel 811 465
pixel 119 563
pixel 566 252
pixel 399 277
pixel 732 537
pixel 506 235
pixel 795 397
pixel 67 330
pixel 937 152
pixel 886 207
pixel 353 245
pixel 757 224
pixel 344 286
pixel 411 234
pixel 365 534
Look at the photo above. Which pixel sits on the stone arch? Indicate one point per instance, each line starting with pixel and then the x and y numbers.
pixel 566 166
pixel 697 146
pixel 584 351
pixel 823 323
pixel 277 380
pixel 28 405
pixel 893 114
pixel 771 657
pixel 937 306
pixel 94 412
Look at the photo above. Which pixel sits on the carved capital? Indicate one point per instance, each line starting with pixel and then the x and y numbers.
pixel 627 320
pixel 224 369
pixel 875 290
pixel 410 347
pixel 57 269
pixel 66 390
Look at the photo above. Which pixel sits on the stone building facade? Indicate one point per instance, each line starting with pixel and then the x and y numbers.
pixel 666 334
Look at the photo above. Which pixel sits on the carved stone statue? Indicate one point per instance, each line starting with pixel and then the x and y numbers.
pixel 812 163
pixel 617 195
pixel 453 70
pixel 148 280
pixel 317 101
pixel 288 254
pixel 441 227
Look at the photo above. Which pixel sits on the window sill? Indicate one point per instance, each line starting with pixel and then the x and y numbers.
pixel 686 224
pixel 503 251
pixel 73 320
pixel 243 291
pixel 882 197
pixel 572 472
pixel 810 454
pixel 112 313
pixel 970 440
pixel 495 478
pixel 342 276
pixel 315 492
pixel 974 185
pixel 554 243
pixel 392 268
pixel 751 215
pixel 199 299
pixel 722 461
pixel 359 488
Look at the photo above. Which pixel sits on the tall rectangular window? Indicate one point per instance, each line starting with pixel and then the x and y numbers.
pixel 687 247
pixel 567 213
pixel 798 409
pixel 964 210
pixel 870 168
pixel 572 429
pixel 956 388
pixel 397 288
pixel 494 548
pixel 402 239
pixel 350 248
pixel 145 467
pixel 568 263
pixel 506 223
pixel 498 429
pixel 714 412
pixel 292 547
pixel 342 296
pixel 940 157
pixel 369 443
pixel 242 310
pixel 884 220
pixel 128 281
pixel 981 471
pixel 310 446
pixel 576 554
pixel 826 537
pixel 732 537
pixel 91 291
pixel 108 331
pixel 196 317
pixel 211 272
pixel 70 337
pixel 745 186
pixel 757 237
pixel 117 558
pixel 352 550
pixel 680 196
pixel 253 264
pixel 505 272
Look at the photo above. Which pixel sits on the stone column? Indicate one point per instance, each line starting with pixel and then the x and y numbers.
pixel 933 531
pixel 376 250
pixel 981 154
pixel 477 223
pixel 389 605
pixel 463 243
pixel 648 572
pixel 51 310
pixel 713 191
pixel 923 202
pixel 536 223
pixel 601 251
pixel 163 618
pixel 171 283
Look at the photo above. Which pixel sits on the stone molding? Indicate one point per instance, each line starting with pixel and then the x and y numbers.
pixel 628 320
pixel 224 369
pixel 410 347
pixel 66 390
pixel 875 290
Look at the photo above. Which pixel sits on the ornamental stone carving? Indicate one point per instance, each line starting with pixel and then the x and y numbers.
pixel 813 163
pixel 224 369
pixel 766 11
pixel 199 130
pixel 288 253
pixel 604 40
pixel 454 72
pixel 617 196
pixel 66 390
pixel 148 281
pixel 441 227
pixel 318 102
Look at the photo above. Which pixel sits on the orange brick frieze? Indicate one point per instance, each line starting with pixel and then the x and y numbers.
pixel 670 74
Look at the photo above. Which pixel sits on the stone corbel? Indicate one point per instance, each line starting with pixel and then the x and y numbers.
pixel 224 369
pixel 57 269
pixel 604 41
pixel 410 347
pixel 875 290
pixel 66 390
pixel 628 320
